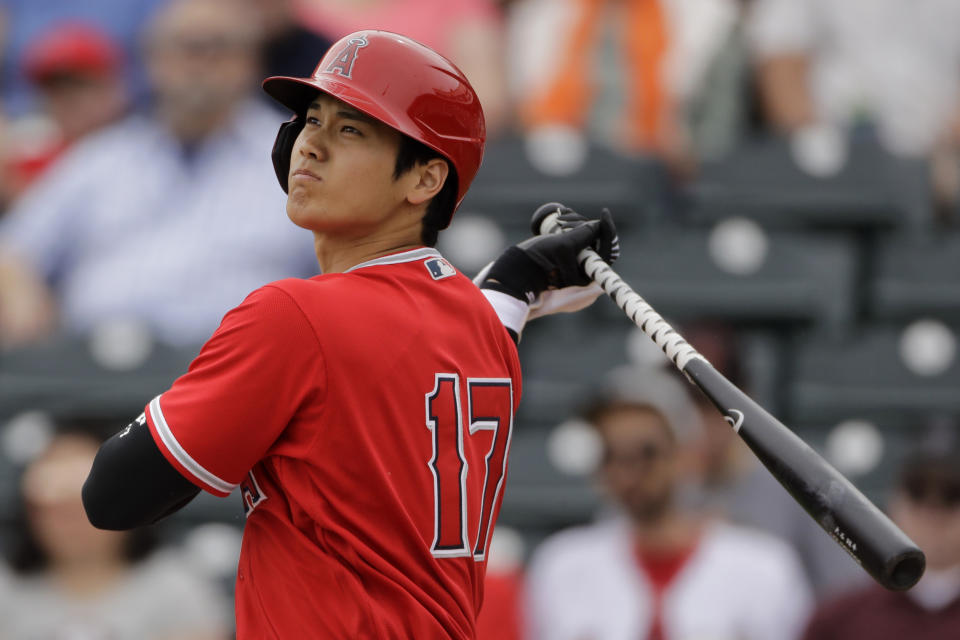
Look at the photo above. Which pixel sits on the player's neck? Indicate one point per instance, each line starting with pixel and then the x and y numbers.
pixel 336 254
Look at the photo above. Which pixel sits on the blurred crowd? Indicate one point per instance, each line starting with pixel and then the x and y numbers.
pixel 695 540
pixel 150 112
pixel 136 189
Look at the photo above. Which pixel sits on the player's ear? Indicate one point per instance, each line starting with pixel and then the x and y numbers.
pixel 431 176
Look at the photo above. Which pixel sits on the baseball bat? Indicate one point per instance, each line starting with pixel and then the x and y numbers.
pixel 856 524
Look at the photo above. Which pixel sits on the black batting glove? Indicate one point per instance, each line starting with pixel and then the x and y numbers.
pixel 608 242
pixel 550 261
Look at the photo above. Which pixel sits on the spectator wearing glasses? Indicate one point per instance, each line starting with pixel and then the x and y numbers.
pixel 655 570
pixel 926 505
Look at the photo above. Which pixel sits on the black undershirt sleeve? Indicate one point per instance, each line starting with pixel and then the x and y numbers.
pixel 131 483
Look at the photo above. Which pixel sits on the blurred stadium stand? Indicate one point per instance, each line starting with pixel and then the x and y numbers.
pixel 509 187
pixel 915 277
pixel 762 180
pixel 66 379
pixel 819 279
pixel 884 373
pixel 756 277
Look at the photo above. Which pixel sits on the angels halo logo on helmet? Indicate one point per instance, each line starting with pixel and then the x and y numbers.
pixel 399 82
pixel 342 63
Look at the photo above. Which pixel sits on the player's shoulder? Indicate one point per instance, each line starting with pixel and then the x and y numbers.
pixel 408 275
pixel 290 287
pixel 339 293
pixel 273 294
pixel 272 310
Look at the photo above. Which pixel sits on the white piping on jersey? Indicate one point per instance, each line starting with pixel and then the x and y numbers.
pixel 406 256
pixel 181 455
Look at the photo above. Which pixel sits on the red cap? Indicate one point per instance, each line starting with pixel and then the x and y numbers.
pixel 403 84
pixel 71 47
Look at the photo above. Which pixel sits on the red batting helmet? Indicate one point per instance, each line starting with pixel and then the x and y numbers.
pixel 401 83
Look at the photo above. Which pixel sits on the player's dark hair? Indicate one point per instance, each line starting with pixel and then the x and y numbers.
pixel 412 153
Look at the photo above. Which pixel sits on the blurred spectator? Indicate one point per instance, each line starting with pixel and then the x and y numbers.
pixel 731 482
pixel 71 580
pixel 641 76
pixel 6 183
pixel 76 69
pixel 655 570
pixel 468 32
pixel 166 218
pixel 26 20
pixel 827 65
pixel 926 505
pixel 289 47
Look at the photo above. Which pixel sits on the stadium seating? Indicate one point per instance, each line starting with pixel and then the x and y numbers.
pixel 800 278
pixel 869 376
pixel 916 276
pixel 509 188
pixel 65 378
pixel 762 180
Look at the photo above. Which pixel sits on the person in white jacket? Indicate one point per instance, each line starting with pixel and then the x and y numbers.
pixel 652 570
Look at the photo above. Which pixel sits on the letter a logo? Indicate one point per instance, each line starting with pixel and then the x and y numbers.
pixel 342 64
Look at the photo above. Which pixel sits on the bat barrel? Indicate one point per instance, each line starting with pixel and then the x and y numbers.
pixel 855 523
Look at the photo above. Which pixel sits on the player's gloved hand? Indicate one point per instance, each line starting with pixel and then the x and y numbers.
pixel 549 261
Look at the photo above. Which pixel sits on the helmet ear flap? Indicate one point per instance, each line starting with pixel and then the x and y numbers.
pixel 283 148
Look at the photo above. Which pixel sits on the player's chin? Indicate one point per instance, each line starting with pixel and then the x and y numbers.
pixel 303 211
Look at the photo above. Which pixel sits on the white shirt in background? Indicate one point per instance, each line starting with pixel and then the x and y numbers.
pixel 896 62
pixel 739 584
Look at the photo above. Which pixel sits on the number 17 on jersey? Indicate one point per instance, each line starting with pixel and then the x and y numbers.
pixel 489 410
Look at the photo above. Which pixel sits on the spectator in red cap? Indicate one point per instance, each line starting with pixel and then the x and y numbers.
pixel 77 68
pixel 77 71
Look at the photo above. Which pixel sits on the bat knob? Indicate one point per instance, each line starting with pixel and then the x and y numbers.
pixel 542 213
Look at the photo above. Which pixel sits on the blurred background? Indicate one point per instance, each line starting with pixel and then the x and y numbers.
pixel 784 174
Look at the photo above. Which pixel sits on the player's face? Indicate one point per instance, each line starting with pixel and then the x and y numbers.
pixel 341 171
pixel 639 465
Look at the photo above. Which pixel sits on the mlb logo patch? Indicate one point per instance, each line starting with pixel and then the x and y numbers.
pixel 439 268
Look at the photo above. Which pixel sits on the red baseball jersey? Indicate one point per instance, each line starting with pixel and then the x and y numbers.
pixel 366 416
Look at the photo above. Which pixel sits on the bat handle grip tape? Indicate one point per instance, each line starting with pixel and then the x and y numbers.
pixel 631 303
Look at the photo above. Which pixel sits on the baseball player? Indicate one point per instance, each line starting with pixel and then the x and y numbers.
pixel 366 413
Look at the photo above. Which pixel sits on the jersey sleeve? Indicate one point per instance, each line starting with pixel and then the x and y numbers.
pixel 240 392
